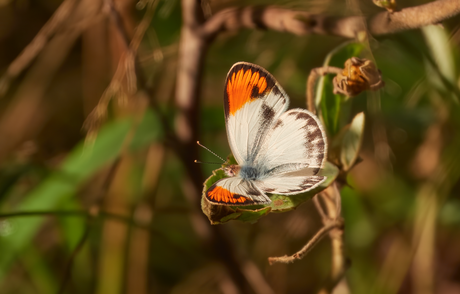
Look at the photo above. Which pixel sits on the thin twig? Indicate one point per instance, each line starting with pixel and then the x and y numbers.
pixel 337 224
pixel 315 73
pixel 319 208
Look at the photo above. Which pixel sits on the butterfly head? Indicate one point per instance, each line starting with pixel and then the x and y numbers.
pixel 232 170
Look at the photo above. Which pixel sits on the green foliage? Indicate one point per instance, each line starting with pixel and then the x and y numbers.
pixel 62 185
pixel 352 141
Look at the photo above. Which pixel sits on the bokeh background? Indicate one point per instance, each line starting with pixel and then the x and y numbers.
pixel 94 197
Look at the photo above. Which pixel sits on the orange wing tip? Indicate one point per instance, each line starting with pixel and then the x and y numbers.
pixel 245 85
pixel 217 194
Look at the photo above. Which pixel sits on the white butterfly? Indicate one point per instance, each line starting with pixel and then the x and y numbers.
pixel 278 151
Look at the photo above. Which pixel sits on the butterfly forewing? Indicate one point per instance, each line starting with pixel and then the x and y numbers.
pixel 253 101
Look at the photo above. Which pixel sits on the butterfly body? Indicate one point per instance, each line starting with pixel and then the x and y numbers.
pixel 249 172
pixel 278 151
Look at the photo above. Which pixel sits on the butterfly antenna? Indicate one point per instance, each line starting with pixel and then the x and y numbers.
pixel 207 162
pixel 198 142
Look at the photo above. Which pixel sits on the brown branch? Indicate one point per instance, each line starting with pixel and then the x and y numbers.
pixel 303 23
pixel 275 18
pixel 311 243
pixel 319 208
pixel 192 52
pixel 413 17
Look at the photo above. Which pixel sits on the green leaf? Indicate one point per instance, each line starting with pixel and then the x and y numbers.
pixel 63 184
pixel 72 227
pixel 352 141
pixel 330 107
pixel 218 214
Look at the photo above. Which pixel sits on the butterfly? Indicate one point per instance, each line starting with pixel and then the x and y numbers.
pixel 278 151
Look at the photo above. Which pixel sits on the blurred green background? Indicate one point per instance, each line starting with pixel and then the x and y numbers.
pixel 117 215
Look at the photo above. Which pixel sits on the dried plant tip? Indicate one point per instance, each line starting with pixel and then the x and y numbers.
pixel 357 76
pixel 389 5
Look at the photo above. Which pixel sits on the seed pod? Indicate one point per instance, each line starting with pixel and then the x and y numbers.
pixel 357 76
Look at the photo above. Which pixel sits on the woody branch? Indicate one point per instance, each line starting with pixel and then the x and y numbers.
pixel 192 50
pixel 303 23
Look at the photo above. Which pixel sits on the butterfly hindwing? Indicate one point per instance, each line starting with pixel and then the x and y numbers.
pixel 296 141
pixel 291 183
pixel 236 191
pixel 253 101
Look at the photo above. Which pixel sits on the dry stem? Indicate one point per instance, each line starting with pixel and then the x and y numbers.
pixel 311 82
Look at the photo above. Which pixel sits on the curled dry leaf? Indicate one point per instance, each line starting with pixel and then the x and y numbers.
pixel 357 76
